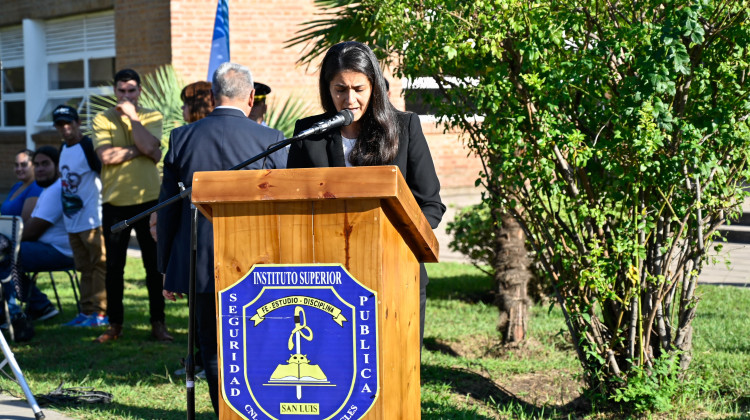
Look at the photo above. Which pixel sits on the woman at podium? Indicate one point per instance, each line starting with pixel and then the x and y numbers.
pixel 350 78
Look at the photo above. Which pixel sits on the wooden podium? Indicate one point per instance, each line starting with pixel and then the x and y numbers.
pixel 363 218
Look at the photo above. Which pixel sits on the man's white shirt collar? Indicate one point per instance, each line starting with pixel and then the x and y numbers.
pixel 229 107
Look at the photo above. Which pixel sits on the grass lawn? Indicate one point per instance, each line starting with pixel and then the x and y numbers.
pixel 466 374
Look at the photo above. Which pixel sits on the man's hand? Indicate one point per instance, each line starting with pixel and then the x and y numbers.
pixel 147 144
pixel 34 228
pixel 171 295
pixel 152 225
pixel 127 109
pixel 115 155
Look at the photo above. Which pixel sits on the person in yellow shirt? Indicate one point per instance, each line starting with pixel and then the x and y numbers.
pixel 126 138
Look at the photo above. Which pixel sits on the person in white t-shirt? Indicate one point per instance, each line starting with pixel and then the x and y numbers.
pixel 82 208
pixel 44 241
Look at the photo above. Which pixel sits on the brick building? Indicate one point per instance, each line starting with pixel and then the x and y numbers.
pixel 60 51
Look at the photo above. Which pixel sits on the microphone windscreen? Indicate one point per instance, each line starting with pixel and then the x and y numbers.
pixel 348 116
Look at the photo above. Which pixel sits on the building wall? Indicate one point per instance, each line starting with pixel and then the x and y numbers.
pixel 142 34
pixel 151 33
pixel 258 31
pixel 456 167
pixel 14 11
pixel 11 142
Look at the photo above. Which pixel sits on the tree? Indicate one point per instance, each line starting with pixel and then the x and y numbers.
pixel 616 135
pixel 496 244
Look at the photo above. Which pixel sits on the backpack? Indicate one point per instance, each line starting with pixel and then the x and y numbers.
pixel 91 157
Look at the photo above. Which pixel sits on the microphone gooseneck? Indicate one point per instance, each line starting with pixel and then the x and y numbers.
pixel 341 119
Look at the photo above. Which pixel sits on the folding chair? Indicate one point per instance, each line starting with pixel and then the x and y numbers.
pixel 11 360
pixel 11 227
pixel 74 284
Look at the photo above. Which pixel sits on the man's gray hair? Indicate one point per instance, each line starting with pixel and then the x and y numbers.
pixel 232 80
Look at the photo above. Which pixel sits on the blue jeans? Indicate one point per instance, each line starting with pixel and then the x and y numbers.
pixel 34 257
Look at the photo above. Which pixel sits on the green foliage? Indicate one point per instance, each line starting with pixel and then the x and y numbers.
pixel 616 134
pixel 342 20
pixel 650 389
pixel 283 116
pixel 473 235
pixel 161 91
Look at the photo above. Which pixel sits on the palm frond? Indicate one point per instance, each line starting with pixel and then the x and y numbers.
pixel 345 20
pixel 283 116
pixel 161 91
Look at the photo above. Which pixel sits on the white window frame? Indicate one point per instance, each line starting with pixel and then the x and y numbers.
pixel 430 83
pixel 10 63
pixel 85 54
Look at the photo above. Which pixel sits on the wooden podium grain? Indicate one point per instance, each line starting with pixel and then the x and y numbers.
pixel 364 218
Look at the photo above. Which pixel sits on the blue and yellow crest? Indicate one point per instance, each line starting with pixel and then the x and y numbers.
pixel 298 340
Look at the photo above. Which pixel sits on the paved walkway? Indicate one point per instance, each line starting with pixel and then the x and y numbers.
pixel 14 409
pixel 738 253
pixel 737 273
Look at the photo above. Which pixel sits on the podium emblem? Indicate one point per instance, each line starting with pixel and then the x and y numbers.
pixel 298 342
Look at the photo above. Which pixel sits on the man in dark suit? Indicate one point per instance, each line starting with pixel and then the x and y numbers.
pixel 223 139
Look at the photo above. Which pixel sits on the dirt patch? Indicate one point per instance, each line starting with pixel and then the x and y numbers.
pixel 556 389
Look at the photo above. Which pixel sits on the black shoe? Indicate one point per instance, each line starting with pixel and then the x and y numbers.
pixel 48 312
pixel 23 329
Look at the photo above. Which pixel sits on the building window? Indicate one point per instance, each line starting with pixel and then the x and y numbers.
pixel 80 62
pixel 14 114
pixel 422 95
pixel 421 101
pixel 101 71
pixel 12 80
pixel 66 75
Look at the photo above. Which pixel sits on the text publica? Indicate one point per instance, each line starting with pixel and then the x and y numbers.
pixel 293 278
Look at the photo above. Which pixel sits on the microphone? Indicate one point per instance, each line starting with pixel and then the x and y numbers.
pixel 343 118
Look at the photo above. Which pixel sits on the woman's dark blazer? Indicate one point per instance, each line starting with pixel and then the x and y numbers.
pixel 413 159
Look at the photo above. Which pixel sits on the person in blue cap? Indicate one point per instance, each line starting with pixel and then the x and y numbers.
pixel 82 208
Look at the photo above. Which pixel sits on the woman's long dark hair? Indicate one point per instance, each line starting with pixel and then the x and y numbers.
pixel 377 143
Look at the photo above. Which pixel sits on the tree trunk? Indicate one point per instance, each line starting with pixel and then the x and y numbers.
pixel 512 274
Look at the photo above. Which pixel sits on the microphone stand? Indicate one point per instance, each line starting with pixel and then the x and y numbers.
pixel 190 359
pixel 187 191
pixel 184 193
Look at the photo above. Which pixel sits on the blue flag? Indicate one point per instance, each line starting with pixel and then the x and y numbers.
pixel 220 40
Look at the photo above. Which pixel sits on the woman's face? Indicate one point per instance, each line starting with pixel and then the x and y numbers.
pixel 23 168
pixel 186 112
pixel 351 90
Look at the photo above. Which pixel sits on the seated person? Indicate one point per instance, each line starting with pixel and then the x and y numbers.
pixel 23 195
pixel 44 240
